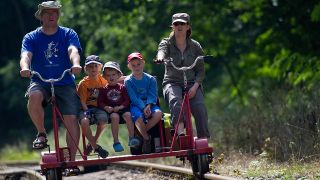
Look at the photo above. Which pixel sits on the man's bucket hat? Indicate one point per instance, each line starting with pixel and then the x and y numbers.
pixel 47 5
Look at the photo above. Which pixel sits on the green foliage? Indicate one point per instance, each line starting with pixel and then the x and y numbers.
pixel 315 15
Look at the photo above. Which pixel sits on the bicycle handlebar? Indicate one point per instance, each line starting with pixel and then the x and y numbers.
pixel 51 80
pixel 170 60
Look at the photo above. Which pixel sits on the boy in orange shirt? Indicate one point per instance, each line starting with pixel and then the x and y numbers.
pixel 88 90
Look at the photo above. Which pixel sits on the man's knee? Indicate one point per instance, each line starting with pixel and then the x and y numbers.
pixel 35 97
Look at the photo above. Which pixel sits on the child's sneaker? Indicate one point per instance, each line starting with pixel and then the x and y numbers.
pixel 133 142
pixel 88 150
pixel 117 147
pixel 101 152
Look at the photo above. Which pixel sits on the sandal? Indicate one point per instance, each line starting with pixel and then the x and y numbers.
pixel 40 142
pixel 72 171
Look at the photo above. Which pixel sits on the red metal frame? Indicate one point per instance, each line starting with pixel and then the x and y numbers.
pixel 189 145
pixel 189 129
pixel 56 112
pixel 96 161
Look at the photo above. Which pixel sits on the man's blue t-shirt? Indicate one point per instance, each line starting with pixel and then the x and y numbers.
pixel 50 53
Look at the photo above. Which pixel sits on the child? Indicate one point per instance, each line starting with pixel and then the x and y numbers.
pixel 142 90
pixel 88 90
pixel 114 99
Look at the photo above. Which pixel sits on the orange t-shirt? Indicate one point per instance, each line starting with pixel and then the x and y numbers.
pixel 88 89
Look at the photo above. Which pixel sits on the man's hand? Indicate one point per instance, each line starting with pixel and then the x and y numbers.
pixel 76 69
pixel 25 73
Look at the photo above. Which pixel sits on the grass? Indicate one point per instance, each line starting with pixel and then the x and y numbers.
pixel 19 152
pixel 254 167
pixel 23 151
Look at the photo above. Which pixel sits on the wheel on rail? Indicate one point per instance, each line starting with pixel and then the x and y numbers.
pixel 54 174
pixel 194 164
pixel 203 163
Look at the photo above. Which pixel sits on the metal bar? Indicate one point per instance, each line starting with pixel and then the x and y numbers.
pixel 107 160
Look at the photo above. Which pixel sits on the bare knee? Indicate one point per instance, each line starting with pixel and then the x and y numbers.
pixel 115 118
pixel 127 116
pixel 35 98
pixel 85 122
pixel 157 115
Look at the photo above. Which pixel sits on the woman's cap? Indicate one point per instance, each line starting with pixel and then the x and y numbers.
pixel 93 59
pixel 180 17
pixel 113 65
pixel 135 55
pixel 47 5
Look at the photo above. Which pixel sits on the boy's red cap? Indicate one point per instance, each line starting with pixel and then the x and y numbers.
pixel 135 55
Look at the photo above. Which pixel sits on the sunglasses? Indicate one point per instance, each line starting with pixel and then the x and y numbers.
pixel 179 23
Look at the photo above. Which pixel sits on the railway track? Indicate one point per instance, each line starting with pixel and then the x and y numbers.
pixel 119 170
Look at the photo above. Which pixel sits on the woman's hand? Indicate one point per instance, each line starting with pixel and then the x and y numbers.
pixel 193 90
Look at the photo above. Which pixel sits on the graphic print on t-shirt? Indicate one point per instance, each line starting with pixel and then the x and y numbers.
pixel 114 95
pixel 52 51
pixel 93 94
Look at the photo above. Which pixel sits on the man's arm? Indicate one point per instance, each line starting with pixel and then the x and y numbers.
pixel 25 62
pixel 75 59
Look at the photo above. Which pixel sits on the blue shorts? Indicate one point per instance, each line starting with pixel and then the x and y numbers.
pixel 136 113
pixel 67 98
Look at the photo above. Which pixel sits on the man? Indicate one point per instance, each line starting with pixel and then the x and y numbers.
pixel 49 50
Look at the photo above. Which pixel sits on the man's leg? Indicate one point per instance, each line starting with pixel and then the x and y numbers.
pixel 36 111
pixel 73 137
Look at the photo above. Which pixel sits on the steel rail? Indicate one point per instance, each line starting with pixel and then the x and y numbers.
pixel 34 174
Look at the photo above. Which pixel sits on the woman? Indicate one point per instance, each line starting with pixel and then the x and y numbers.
pixel 183 50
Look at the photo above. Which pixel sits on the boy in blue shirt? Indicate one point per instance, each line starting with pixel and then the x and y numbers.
pixel 142 90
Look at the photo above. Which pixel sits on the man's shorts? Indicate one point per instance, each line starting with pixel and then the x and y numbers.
pixel 67 99
pixel 136 113
pixel 98 115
